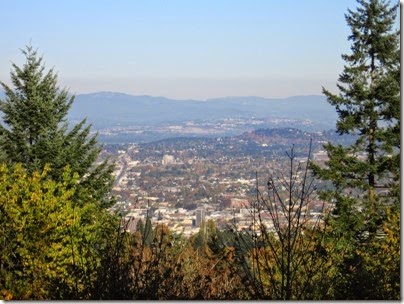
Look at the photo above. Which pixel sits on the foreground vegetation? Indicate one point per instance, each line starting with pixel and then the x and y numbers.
pixel 59 241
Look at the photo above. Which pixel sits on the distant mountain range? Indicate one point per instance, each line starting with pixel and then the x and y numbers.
pixel 110 109
pixel 106 109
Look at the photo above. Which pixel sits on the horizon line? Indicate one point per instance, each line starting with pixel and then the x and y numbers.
pixel 193 99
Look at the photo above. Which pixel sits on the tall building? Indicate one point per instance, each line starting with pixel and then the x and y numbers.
pixel 200 217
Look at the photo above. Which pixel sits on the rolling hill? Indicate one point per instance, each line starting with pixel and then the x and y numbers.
pixel 108 109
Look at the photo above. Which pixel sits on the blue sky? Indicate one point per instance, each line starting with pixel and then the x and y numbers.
pixel 181 49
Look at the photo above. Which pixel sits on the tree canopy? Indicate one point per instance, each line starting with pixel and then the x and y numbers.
pixel 366 175
pixel 36 131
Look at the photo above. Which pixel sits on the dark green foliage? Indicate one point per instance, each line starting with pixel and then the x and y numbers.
pixel 114 274
pixel 140 226
pixel 366 174
pixel 368 102
pixel 147 234
pixel 36 131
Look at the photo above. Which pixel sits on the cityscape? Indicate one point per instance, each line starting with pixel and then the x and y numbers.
pixel 181 182
pixel 200 150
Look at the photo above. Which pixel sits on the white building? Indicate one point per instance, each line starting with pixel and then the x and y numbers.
pixel 200 217
pixel 168 160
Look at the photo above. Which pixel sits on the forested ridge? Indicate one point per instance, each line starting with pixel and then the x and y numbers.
pixel 59 239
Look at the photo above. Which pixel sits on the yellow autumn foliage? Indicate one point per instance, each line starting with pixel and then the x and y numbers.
pixel 43 240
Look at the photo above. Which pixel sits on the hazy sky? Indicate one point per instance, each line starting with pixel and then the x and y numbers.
pixel 181 49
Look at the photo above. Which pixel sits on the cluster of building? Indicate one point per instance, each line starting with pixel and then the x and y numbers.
pixel 183 186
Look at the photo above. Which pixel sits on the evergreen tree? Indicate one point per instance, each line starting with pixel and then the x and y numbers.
pixel 35 130
pixel 368 106
pixel 365 175
pixel 147 235
pixel 140 226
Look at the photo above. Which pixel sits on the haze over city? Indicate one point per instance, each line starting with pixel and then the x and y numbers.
pixel 182 49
